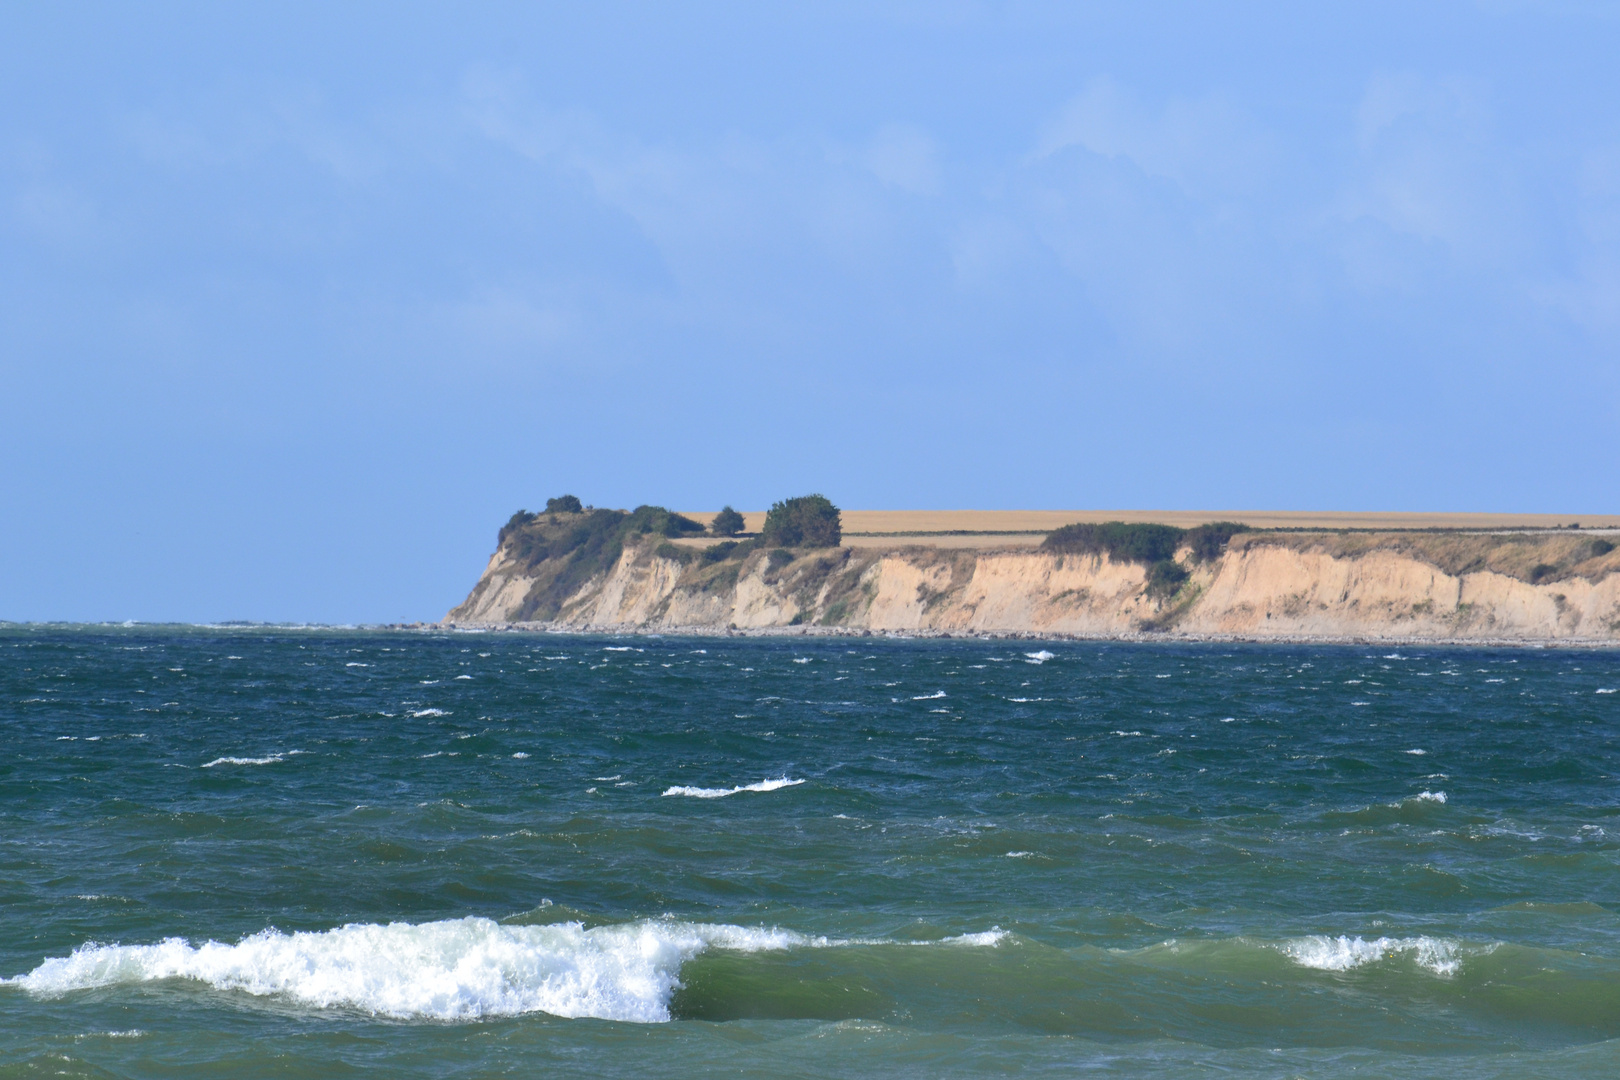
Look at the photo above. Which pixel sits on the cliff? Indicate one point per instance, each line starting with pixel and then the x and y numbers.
pixel 1417 586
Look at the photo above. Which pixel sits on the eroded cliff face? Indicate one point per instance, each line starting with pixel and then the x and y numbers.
pixel 1285 587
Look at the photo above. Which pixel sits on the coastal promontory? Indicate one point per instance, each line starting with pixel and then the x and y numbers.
pixel 806 566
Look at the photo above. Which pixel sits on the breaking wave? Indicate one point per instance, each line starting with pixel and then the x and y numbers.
pixel 1442 956
pixel 722 792
pixel 456 969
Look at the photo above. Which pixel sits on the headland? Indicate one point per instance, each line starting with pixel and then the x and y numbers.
pixel 1159 575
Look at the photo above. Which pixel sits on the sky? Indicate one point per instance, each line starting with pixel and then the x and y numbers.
pixel 299 302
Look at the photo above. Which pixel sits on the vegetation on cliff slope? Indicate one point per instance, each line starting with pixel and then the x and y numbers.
pixel 565 549
pixel 1150 545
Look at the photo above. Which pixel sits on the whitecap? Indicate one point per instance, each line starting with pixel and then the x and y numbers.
pixel 1416 751
pixel 1430 796
pixel 430 712
pixel 987 939
pixel 455 969
pixel 520 755
pixel 937 694
pixel 271 760
pixel 801 659
pixel 1442 956
pixel 720 793
pixel 1603 690
pixel 1040 657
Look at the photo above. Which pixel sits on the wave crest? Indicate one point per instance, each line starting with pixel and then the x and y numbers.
pixel 721 792
pixel 1442 956
pixel 456 969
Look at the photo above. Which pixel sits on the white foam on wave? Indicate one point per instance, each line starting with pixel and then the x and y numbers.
pixel 1040 657
pixel 456 969
pixel 1441 956
pixel 271 760
pixel 1430 796
pixel 720 793
pixel 936 695
pixel 429 712
pixel 1607 690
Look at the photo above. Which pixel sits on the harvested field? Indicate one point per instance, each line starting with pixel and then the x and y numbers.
pixel 983 525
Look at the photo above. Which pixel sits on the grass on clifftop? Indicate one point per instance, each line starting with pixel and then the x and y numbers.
pixel 1537 558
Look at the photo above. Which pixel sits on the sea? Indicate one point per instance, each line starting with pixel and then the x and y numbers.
pixel 313 852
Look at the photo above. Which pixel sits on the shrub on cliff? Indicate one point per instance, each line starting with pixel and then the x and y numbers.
pixel 809 521
pixel 1119 540
pixel 1208 542
pixel 675 553
pixel 719 552
pixel 513 524
pixel 727 523
pixel 1142 543
pixel 1165 577
pixel 564 504
pixel 657 521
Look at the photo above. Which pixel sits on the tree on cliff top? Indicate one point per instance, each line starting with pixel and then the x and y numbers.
pixel 727 523
pixel 564 504
pixel 807 521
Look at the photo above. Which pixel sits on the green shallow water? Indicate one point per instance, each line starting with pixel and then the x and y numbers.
pixel 287 853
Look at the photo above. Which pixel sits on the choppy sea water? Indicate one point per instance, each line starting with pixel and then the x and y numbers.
pixel 288 853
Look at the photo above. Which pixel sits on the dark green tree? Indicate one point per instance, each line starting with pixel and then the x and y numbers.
pixel 809 521
pixel 726 523
pixel 564 504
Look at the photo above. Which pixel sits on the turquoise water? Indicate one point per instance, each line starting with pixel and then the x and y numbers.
pixel 288 853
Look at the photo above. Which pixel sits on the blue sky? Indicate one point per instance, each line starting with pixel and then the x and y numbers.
pixel 299 302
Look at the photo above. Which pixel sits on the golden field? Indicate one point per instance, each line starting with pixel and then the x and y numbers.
pixel 979 528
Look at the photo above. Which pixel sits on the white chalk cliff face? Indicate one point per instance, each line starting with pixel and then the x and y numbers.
pixel 1286 588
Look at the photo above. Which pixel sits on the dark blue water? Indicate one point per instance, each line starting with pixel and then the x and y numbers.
pixel 321 853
